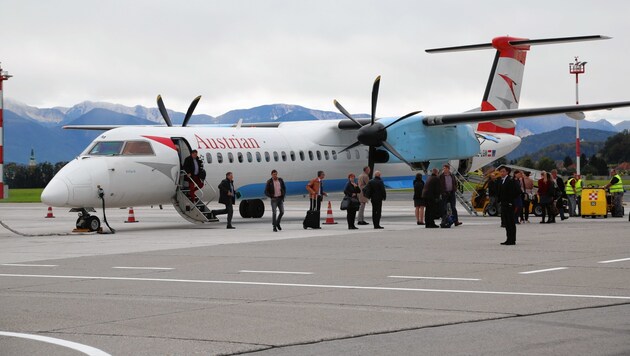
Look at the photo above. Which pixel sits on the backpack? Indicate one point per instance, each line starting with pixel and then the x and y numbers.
pixel 367 191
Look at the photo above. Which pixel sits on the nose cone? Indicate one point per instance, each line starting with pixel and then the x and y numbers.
pixel 56 193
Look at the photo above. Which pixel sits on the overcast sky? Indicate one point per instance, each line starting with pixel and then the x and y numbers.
pixel 241 54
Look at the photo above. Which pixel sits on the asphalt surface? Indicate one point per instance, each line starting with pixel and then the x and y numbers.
pixel 165 286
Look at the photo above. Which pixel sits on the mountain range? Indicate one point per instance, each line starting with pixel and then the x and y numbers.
pixel 27 127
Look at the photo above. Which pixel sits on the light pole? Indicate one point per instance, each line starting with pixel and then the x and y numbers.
pixel 4 75
pixel 577 68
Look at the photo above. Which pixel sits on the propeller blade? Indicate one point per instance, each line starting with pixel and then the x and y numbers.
pixel 190 111
pixel 404 117
pixel 345 112
pixel 377 83
pixel 391 149
pixel 162 108
pixel 371 154
pixel 351 146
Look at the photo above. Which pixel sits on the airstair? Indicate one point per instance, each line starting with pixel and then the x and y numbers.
pixel 464 184
pixel 196 212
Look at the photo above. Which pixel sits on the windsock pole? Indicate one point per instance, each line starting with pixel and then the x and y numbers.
pixel 4 75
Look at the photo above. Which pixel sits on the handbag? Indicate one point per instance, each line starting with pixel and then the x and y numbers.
pixel 345 203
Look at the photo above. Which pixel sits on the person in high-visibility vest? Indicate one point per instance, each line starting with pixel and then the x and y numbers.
pixel 615 187
pixel 578 193
pixel 569 189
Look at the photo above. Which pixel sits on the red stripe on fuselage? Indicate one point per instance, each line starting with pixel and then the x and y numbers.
pixel 166 141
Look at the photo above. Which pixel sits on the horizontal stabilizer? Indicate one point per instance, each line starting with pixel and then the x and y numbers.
pixel 520 42
pixel 474 117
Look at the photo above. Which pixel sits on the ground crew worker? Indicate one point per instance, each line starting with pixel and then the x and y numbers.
pixel 569 189
pixel 615 187
pixel 578 194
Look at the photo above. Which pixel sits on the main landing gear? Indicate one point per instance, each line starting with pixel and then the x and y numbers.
pixel 252 208
pixel 87 221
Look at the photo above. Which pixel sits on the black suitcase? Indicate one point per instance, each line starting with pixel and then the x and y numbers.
pixel 311 220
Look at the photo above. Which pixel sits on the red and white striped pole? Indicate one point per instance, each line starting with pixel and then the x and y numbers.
pixel 4 75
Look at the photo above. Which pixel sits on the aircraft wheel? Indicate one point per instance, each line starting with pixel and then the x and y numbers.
pixel 492 210
pixel 243 209
pixel 538 210
pixel 256 208
pixel 80 223
pixel 93 223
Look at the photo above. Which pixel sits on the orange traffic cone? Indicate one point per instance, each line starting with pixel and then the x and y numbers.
pixel 132 217
pixel 50 213
pixel 329 217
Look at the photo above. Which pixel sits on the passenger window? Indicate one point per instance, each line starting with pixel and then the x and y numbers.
pixel 239 156
pixel 326 155
pixel 310 155
pixel 283 155
pixel 249 157
pixel 267 156
pixel 334 155
pixel 230 157
pixel 134 148
pixel 106 148
pixel 292 154
pixel 258 157
pixel 275 156
pixel 301 155
pixel 348 154
pixel 219 157
pixel 209 157
pixel 356 154
pixel 319 155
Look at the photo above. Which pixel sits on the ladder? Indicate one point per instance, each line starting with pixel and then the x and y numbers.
pixel 462 183
pixel 196 212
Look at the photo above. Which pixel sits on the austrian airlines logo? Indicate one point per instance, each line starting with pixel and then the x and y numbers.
pixel 510 84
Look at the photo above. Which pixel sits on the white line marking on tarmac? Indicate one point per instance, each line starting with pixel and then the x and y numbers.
pixel 149 268
pixel 25 265
pixel 327 286
pixel 274 272
pixel 437 278
pixel 88 350
pixel 544 270
pixel 619 260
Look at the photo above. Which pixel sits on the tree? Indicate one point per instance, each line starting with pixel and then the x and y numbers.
pixel 616 148
pixel 597 166
pixel 526 162
pixel 568 162
pixel 546 164
pixel 583 160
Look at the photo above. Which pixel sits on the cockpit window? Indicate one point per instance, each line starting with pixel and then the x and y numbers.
pixel 115 148
pixel 107 148
pixel 137 148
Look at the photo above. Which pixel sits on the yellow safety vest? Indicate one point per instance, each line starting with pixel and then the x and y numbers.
pixel 617 187
pixel 568 188
pixel 578 187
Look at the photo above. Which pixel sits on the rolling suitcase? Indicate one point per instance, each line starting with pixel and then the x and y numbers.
pixel 311 220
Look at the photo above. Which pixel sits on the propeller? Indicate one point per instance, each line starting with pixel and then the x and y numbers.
pixel 373 134
pixel 189 113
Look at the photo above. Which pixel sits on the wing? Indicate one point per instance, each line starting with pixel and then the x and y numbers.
pixel 500 115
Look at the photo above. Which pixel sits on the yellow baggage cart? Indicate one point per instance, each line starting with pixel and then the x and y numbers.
pixel 594 202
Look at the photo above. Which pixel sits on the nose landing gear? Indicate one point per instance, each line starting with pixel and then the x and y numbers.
pixel 86 221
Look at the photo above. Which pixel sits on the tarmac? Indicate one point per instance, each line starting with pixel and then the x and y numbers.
pixel 166 286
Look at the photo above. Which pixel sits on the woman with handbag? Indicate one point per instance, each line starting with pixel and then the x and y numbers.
pixel 350 201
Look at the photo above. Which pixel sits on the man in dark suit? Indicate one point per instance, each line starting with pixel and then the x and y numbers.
pixel 508 192
pixel 227 196
pixel 378 194
pixel 432 194
pixel 193 167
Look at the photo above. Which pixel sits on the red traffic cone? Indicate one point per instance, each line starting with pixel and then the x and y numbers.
pixel 50 213
pixel 132 217
pixel 329 217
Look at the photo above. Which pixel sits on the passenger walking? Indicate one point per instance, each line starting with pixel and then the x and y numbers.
pixel 545 197
pixel 316 191
pixel 193 166
pixel 418 201
pixel 364 178
pixel 432 195
pixel 276 190
pixel 350 194
pixel 449 188
pixel 529 195
pixel 559 193
pixel 377 195
pixel 508 194
pixel 227 196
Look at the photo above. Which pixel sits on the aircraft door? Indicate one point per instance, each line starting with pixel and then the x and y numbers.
pixel 184 149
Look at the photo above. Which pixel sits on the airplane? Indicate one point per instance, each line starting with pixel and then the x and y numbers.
pixel 129 166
